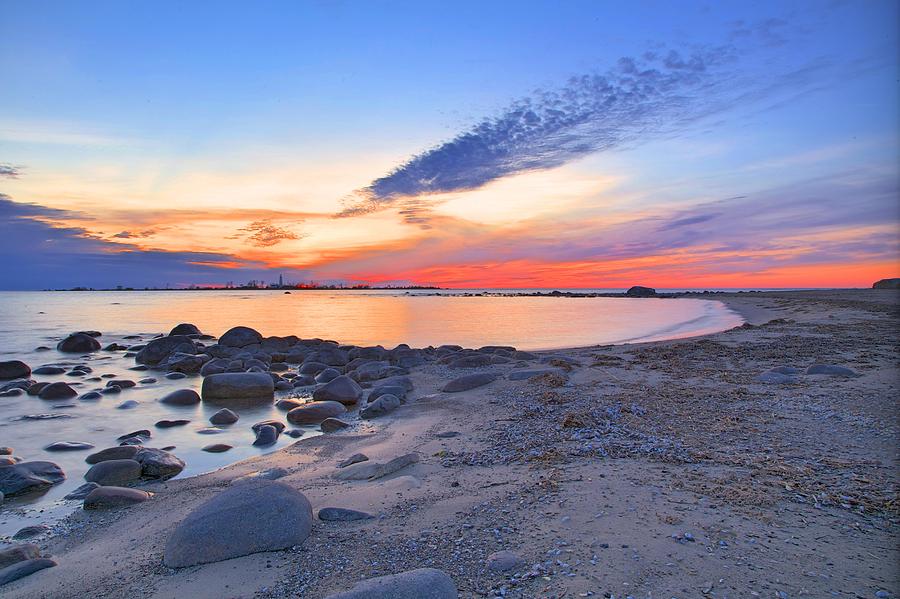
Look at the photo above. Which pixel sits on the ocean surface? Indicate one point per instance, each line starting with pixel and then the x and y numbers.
pixel 366 317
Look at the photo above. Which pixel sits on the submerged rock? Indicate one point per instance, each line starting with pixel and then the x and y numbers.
pixel 68 446
pixel 224 416
pixel 315 412
pixel 248 518
pixel 238 387
pixel 78 343
pixel 14 369
pixel 181 397
pixel 58 390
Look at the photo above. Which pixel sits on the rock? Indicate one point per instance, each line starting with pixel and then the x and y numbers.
pixel 210 431
pixel 90 396
pixel 339 514
pixel 78 343
pixel 354 459
pixel 185 329
pixel 504 561
pixel 6 450
pixel 380 407
pixel 141 433
pixel 472 361
pixel 158 350
pixel 312 368
pixel 11 393
pixel 372 371
pixel 185 363
pixel 82 491
pixel 776 378
pixel 68 446
pixel 422 583
pixel 29 532
pixel 327 354
pixel 277 424
pixel 18 553
pixel 638 291
pixel 224 416
pixel 121 383
pixel 58 390
pixel 265 435
pixel 831 370
pixel 174 376
pixel 288 404
pixel 315 412
pixel 519 375
pixel 887 284
pixel 240 337
pixel 111 497
pixel 268 474
pixel 326 376
pixel 303 380
pixel 156 463
pixel 374 470
pixel 331 425
pixel 247 518
pixel 216 448
pixel 14 369
pixel 122 452
pixel 469 381
pixel 24 568
pixel 170 423
pixel 127 405
pixel 114 472
pixel 342 389
pixel 35 389
pixel 181 397
pixel 216 366
pixel 28 477
pixel 397 390
pixel 447 434
pixel 243 387
pixel 294 433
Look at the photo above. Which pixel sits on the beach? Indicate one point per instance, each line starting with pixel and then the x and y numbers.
pixel 760 461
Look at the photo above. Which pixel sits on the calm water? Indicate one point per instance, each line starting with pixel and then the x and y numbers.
pixel 31 319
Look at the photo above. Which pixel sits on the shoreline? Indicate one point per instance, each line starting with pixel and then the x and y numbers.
pixel 421 496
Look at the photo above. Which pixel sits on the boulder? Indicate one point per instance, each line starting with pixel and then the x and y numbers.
pixel 18 553
pixel 240 337
pixel 472 361
pixel 276 424
pixel 216 366
pixel 186 363
pixel 288 404
pixel 68 446
pixel 171 423
pixel 181 397
pixel 82 491
pixel 331 425
pixel 422 583
pixel 831 370
pixel 240 387
pixel 315 412
pixel 639 291
pixel 373 470
pixel 14 369
pixel 78 343
pixel 156 463
pixel 111 497
pixel 312 368
pixel 24 568
pixel 28 477
pixel 158 350
pixel 58 390
pixel 251 517
pixel 185 329
pixel 381 406
pixel 327 375
pixel 122 452
pixel 114 472
pixel 504 561
pixel 265 435
pixel 520 375
pixel 469 381
pixel 342 389
pixel 339 514
pixel 216 448
pixel 354 459
pixel 224 416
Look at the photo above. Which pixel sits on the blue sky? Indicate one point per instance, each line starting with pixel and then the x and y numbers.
pixel 407 118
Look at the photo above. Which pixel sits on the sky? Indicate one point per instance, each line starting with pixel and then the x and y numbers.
pixel 465 144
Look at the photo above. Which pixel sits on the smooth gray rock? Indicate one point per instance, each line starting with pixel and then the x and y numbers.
pixel 181 397
pixel 339 514
pixel 342 389
pixel 240 337
pixel 24 568
pixel 68 446
pixel 521 375
pixel 776 378
pixel 57 390
pixel 114 472
pixel 18 553
pixel 265 435
pixel 112 497
pixel 331 425
pixel 831 370
pixel 185 328
pixel 224 416
pixel 247 518
pixel 216 448
pixel 469 381
pixel 82 491
pixel 29 532
pixel 472 361
pixel 328 375
pixel 381 406
pixel 504 561
pixel 158 350
pixel 78 343
pixel 354 459
pixel 156 463
pixel 14 369
pixel 237 387
pixel 373 470
pixel 28 477
pixel 639 291
pixel 422 583
pixel 122 452
pixel 315 412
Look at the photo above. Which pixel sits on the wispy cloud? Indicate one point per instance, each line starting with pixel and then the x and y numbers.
pixel 9 171
pixel 262 233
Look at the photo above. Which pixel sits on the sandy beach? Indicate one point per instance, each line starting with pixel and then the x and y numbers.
pixel 682 468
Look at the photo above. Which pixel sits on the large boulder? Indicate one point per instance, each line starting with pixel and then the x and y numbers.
pixel 121 452
pixel 381 406
pixel 240 337
pixel 112 497
pixel 342 389
pixel 24 568
pixel 185 328
pixel 14 369
pixel 158 350
pixel 181 397
pixel 113 472
pixel 28 477
pixel 157 463
pixel 238 386
pixel 57 390
pixel 470 381
pixel 328 354
pixel 422 583
pixel 224 416
pixel 186 363
pixel 251 517
pixel 639 291
pixel 78 343
pixel 472 361
pixel 315 412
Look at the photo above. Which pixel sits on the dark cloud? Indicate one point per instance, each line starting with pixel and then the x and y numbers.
pixel 263 233
pixel 135 234
pixel 9 171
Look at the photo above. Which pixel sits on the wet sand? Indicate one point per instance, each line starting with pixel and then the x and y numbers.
pixel 652 470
